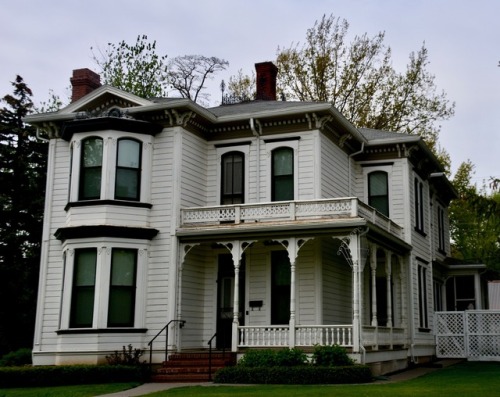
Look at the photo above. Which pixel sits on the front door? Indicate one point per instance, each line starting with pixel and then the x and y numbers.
pixel 225 299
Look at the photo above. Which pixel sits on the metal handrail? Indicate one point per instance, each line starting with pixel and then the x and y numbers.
pixel 210 356
pixel 150 343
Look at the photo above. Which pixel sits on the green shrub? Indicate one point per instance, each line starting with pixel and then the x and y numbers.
pixel 128 356
pixel 273 358
pixel 16 358
pixel 331 356
pixel 303 375
pixel 63 375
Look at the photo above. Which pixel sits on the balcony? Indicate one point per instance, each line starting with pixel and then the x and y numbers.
pixel 344 211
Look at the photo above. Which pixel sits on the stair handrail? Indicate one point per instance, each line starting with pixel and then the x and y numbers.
pixel 150 343
pixel 210 356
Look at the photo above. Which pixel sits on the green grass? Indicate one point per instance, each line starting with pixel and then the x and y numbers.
pixel 67 391
pixel 471 379
pixel 466 379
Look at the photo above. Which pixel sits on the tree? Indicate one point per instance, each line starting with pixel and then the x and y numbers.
pixel 134 68
pixel 359 80
pixel 188 74
pixel 22 192
pixel 475 221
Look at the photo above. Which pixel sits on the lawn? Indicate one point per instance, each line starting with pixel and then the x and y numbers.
pixel 67 391
pixel 471 379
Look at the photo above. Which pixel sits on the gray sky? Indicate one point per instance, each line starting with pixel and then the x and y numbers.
pixel 43 41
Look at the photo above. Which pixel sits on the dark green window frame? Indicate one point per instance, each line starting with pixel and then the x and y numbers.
pixel 282 183
pixel 128 169
pixel 378 191
pixel 122 289
pixel 90 169
pixel 83 288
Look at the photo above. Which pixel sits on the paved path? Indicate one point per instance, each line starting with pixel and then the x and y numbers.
pixel 412 373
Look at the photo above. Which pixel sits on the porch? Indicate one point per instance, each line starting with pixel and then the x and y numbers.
pixel 341 282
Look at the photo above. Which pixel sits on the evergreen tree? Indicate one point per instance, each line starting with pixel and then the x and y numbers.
pixel 22 190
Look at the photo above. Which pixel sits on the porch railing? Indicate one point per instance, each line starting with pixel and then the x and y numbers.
pixel 336 208
pixel 383 336
pixel 306 335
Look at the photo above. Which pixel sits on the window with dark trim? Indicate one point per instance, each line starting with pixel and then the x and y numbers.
pixel 441 233
pixel 419 205
pixel 91 169
pixel 83 292
pixel 128 170
pixel 282 185
pixel 378 191
pixel 122 289
pixel 422 297
pixel 232 175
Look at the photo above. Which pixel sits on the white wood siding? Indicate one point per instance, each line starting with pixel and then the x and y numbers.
pixel 334 170
pixel 337 284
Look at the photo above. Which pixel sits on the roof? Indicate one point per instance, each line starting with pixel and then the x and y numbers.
pixel 386 137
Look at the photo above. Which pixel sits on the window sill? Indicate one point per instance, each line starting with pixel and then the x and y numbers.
pixel 425 330
pixel 117 330
pixel 421 232
pixel 122 203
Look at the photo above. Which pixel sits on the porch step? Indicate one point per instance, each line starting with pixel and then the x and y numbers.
pixel 192 367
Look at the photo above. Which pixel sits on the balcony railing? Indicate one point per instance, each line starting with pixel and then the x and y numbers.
pixel 286 211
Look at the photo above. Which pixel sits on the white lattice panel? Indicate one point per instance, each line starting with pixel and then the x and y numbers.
pixel 472 334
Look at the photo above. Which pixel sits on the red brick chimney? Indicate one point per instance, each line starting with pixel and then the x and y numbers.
pixel 83 82
pixel 266 81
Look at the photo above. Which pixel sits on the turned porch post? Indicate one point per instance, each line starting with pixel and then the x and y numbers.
pixel 388 272
pixel 373 266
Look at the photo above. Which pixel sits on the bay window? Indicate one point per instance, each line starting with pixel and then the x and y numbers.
pixel 91 169
pixel 128 170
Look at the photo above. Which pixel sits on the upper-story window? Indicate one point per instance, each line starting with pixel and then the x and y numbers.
pixel 91 168
pixel 128 170
pixel 378 191
pixel 419 205
pixel 441 229
pixel 232 176
pixel 110 166
pixel 282 178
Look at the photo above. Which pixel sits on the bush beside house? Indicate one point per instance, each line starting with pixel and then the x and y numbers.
pixel 329 365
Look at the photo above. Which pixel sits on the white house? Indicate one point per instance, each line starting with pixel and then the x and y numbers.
pixel 265 223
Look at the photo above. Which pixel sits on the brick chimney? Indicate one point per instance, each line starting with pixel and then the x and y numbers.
pixel 266 81
pixel 83 82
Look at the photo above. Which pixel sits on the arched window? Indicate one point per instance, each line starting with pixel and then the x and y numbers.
pixel 91 169
pixel 233 169
pixel 378 191
pixel 282 187
pixel 128 170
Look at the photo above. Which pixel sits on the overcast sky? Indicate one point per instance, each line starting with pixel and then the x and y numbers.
pixel 43 41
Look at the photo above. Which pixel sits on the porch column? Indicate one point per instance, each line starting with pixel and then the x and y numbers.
pixel 388 272
pixel 373 267
pixel 185 248
pixel 402 289
pixel 293 245
pixel 237 248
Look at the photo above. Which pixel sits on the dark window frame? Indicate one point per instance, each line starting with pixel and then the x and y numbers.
pixel 130 291
pixel 278 180
pixel 136 196
pixel 231 197
pixel 376 197
pixel 78 292
pixel 83 189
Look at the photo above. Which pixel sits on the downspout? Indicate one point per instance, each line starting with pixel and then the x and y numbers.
pixel 40 137
pixel 349 166
pixel 257 133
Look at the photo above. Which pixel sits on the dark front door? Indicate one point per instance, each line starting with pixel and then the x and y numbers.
pixel 225 298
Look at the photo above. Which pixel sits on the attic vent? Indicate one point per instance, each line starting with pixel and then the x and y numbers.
pixel 115 112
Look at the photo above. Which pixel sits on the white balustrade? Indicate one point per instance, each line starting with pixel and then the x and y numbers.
pixel 310 335
pixel 339 208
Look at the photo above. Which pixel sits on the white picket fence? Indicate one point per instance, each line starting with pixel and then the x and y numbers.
pixel 473 334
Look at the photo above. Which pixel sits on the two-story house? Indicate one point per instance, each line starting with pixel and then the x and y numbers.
pixel 259 224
